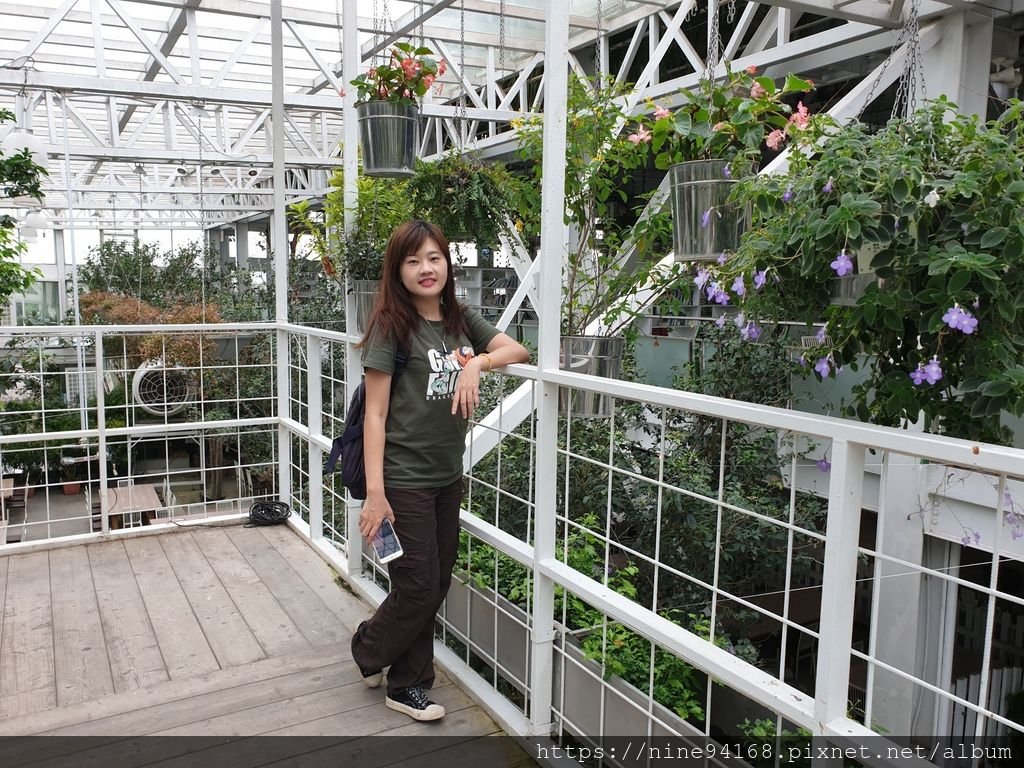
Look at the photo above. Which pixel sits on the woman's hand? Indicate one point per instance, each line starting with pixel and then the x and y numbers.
pixel 467 389
pixel 375 509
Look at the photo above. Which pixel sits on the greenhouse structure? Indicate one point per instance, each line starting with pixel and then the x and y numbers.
pixel 759 493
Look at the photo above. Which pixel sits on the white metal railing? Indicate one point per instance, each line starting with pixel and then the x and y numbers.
pixel 861 622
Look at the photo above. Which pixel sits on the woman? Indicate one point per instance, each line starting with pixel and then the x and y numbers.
pixel 413 441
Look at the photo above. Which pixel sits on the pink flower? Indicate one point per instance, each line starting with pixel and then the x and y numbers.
pixel 642 136
pixel 372 72
pixel 661 112
pixel 410 67
pixel 341 92
pixel 428 80
pixel 751 70
pixel 757 91
pixel 442 67
pixel 718 127
pixel 775 139
pixel 801 117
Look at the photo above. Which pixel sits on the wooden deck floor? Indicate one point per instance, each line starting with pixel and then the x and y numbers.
pixel 214 631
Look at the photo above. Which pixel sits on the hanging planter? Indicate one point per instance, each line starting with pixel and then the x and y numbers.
pixel 704 223
pixel 388 136
pixel 595 356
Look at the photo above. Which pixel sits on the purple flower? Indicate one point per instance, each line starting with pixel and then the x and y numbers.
pixel 820 336
pixel 965 540
pixel 933 371
pixel 722 258
pixel 842 264
pixel 738 286
pixel 960 319
pixel 705 219
pixel 1007 499
pixel 760 278
pixel 703 275
pixel 823 367
pixel 787 195
pixel 918 375
pixel 824 465
pixel 977 538
pixel 750 332
pixel 803 361
pixel 827 189
pixel 720 322
pixel 727 172
pixel 1016 533
pixel 717 295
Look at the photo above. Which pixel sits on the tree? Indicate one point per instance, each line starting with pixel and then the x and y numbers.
pixel 19 177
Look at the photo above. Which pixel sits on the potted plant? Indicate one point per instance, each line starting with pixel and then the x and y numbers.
pixel 713 138
pixel 469 200
pixel 605 151
pixel 936 197
pixel 388 115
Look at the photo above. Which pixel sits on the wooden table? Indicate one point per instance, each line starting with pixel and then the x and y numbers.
pixel 131 498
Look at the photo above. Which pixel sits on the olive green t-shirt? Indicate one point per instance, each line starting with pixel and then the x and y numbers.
pixel 424 442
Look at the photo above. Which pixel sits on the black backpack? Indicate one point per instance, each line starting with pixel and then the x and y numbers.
pixel 348 446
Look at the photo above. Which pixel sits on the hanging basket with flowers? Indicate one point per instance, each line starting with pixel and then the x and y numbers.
pixel 714 137
pixel 389 117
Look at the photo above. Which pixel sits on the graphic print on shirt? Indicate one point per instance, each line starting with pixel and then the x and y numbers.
pixel 445 370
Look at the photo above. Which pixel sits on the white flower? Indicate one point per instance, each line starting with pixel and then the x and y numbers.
pixel 932 198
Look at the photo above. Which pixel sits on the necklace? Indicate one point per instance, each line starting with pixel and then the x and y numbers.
pixel 438 336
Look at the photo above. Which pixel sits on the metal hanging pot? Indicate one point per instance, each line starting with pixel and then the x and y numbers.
pixel 388 135
pixel 704 223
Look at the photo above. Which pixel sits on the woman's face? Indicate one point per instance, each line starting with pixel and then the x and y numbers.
pixel 425 272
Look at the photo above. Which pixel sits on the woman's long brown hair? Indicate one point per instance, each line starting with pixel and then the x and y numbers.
pixel 394 315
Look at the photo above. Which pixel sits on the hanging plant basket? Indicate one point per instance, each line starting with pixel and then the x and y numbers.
pixel 704 223
pixel 388 135
pixel 596 356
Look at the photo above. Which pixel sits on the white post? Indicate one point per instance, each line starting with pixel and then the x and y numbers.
pixel 896 591
pixel 314 415
pixel 351 62
pixel 552 251
pixel 839 583
pixel 279 248
pixel 958 66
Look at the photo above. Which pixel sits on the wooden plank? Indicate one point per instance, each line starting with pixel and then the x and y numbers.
pixel 378 719
pixel 3 595
pixel 81 665
pixel 26 656
pixel 319 577
pixel 269 622
pixel 175 690
pixel 306 609
pixel 182 642
pixel 195 709
pixel 226 631
pixel 135 660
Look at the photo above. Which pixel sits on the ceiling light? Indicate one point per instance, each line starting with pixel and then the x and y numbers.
pixel 36 220
pixel 181 170
pixel 18 140
pixel 251 172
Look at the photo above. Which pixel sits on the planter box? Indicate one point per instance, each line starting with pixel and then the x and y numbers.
pixel 472 616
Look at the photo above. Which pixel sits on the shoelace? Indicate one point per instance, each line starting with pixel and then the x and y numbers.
pixel 418 697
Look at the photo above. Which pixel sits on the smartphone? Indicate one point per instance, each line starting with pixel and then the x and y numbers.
pixel 386 543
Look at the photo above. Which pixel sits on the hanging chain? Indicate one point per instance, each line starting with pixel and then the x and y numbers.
pixel 912 79
pixel 913 65
pixel 341 53
pixel 598 71
pixel 501 39
pixel 732 11
pixel 714 42
pixel 462 121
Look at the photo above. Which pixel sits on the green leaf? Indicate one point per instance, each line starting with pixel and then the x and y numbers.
pixel 959 281
pixel 993 237
pixel 997 388
pixel 1016 188
pixel 796 84
pixel 900 190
